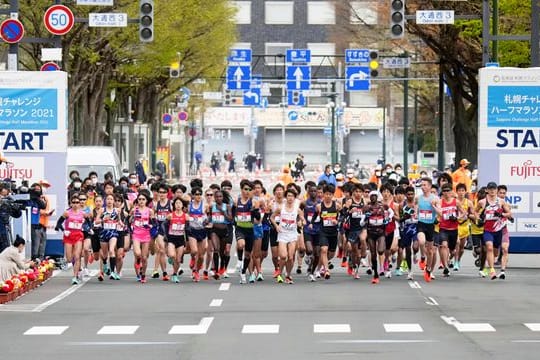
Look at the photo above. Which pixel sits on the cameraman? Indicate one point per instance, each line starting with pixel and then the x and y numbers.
pixel 36 204
pixel 8 209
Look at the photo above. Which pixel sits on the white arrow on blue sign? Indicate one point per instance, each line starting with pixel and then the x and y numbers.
pixel 357 78
pixel 252 97
pixel 298 77
pixel 293 115
pixel 238 77
pixel 296 98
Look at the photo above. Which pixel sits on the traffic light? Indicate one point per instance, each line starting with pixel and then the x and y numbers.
pixel 174 70
pixel 397 19
pixel 146 20
pixel 374 63
pixel 227 98
pixel 296 97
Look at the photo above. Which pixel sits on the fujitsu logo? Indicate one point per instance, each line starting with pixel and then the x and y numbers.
pixel 526 170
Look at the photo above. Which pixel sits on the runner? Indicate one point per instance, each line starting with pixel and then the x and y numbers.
pixel 355 225
pixel 123 243
pixel 312 230
pixel 390 233
pixel 464 227
pixel 255 267
pixel 276 203
pixel 425 226
pixel 219 216
pixel 328 209
pixel 175 227
pixel 108 218
pixel 246 211
pixel 196 231
pixel 505 241
pixel 162 208
pixel 409 220
pixel 141 217
pixel 377 216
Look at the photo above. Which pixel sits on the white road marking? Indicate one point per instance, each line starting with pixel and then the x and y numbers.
pixel 414 284
pixel 64 294
pixel 260 329
pixel 526 341
pixel 474 327
pixel 378 341
pixel 432 301
pixel 533 326
pixel 123 343
pixel 201 328
pixel 403 328
pixel 450 320
pixel 46 330
pixel 224 286
pixel 216 302
pixel 118 330
pixel 331 328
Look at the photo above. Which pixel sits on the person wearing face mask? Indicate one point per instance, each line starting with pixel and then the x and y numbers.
pixel 327 176
pixel 462 175
pixel 376 177
pixel 337 169
pixel 74 174
pixel 74 187
pixel 11 259
pixel 35 204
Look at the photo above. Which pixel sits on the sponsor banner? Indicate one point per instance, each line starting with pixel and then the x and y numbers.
pixel 520 170
pixel 519 202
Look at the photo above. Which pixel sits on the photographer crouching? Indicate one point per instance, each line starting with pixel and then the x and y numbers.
pixel 9 208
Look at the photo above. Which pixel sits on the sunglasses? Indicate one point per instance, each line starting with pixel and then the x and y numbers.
pixel 246 189
pixel 75 202
pixel 446 190
pixel 141 199
pixel 209 194
pixel 198 194
pixel 82 199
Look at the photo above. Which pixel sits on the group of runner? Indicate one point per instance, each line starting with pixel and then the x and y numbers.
pixel 387 229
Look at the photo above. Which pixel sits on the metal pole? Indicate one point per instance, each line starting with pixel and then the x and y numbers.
pixel 535 33
pixel 384 135
pixel 333 134
pixel 495 31
pixel 440 143
pixel 486 15
pixel 13 52
pixel 415 126
pixel 283 104
pixel 406 117
pixel 252 130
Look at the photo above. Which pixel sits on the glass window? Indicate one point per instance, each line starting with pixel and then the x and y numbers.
pixel 243 15
pixel 363 12
pixel 279 12
pixel 276 49
pixel 321 12
pixel 322 49
pixel 241 45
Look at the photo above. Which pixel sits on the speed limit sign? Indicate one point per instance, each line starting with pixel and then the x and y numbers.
pixel 58 19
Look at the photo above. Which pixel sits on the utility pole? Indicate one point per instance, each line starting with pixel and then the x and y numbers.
pixel 440 142
pixel 333 154
pixel 406 116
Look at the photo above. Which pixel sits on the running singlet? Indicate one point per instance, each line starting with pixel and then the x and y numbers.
pixel 328 217
pixel 162 211
pixel 196 216
pixel 111 223
pixel 243 214
pixel 391 226
pixel 177 225
pixel 376 221
pixel 75 220
pixel 218 217
pixel 449 211
pixel 356 215
pixel 141 222
pixel 288 219
pixel 493 217
pixel 426 213
pixel 312 217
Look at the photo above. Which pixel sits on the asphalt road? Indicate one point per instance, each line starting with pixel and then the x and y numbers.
pixel 460 317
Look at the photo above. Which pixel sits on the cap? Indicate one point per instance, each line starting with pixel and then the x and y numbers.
pixel 373 192
pixel 44 183
pixel 491 185
pixel 339 176
pixel 464 162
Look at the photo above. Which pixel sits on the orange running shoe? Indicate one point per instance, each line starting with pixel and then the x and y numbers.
pixel 375 280
pixel 276 273
pixel 422 264
pixel 196 276
pixel 427 276
pixel 349 270
pixel 165 277
pixel 205 275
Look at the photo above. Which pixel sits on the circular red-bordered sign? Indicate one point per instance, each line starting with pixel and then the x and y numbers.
pixel 11 31
pixel 58 19
pixel 183 116
pixel 50 66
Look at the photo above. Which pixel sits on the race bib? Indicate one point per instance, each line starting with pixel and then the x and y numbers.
pixel 74 225
pixel 243 217
pixel 140 223
pixel 425 215
pixel 109 225
pixel 376 221
pixel 219 218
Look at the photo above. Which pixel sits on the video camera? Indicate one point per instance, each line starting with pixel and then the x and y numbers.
pixel 9 205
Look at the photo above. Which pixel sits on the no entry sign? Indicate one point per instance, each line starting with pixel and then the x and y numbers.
pixel 50 66
pixel 58 19
pixel 11 31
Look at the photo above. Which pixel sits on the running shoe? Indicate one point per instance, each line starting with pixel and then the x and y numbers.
pixel 363 262
pixel 239 266
pixel 111 277
pixel 446 272
pixel 432 276
pixel 226 275
pixel 327 275
pixel 242 278
pixel 427 275
pixel 166 277
pixel 502 275
pixel 330 265
pixel 216 275
pixel 386 266
pixel 404 267
pixel 221 271
pixel 260 277
pixel 451 264
pixel 276 273
pixel 317 275
pixel 356 275
pixel 349 270
pixel 441 266
pixel 298 270
pixel 344 262
pixel 74 281
pixel 175 279
pixel 106 269
pixel 375 280
pixel 143 279
pixel 85 272
pixel 422 264
pixel 137 267
pixel 289 280
pixel 196 277
pixel 398 272
pixel 369 271
pixel 116 276
pixel 492 274
pixel 138 277
pixel 101 276
pixel 279 279
pixel 205 274
pixel 307 260
pixel 483 273
pixel 155 274
pixel 410 276
pixel 457 265
pixel 340 253
pixel 311 278
pixel 252 278
pixel 388 274
pixel 170 260
pixel 192 263
pixel 180 271
pixel 394 259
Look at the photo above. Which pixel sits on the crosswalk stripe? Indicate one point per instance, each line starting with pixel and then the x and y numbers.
pixel 331 328
pixel 474 327
pixel 118 330
pixel 46 330
pixel 216 302
pixel 224 287
pixel 403 328
pixel 201 328
pixel 533 326
pixel 260 329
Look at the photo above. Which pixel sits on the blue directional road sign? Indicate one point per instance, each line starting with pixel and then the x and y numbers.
pixel 239 55
pixel 295 98
pixel 356 56
pixel 252 97
pixel 357 78
pixel 327 130
pixel 298 56
pixel 298 77
pixel 238 77
pixel 264 102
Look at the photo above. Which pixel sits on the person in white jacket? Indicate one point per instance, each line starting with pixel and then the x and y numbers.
pixel 11 261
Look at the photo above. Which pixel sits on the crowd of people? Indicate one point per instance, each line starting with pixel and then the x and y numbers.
pixel 392 225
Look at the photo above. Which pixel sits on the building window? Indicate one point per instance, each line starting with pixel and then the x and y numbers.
pixel 279 12
pixel 321 13
pixel 276 49
pixel 243 14
pixel 241 45
pixel 363 12
pixel 322 49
